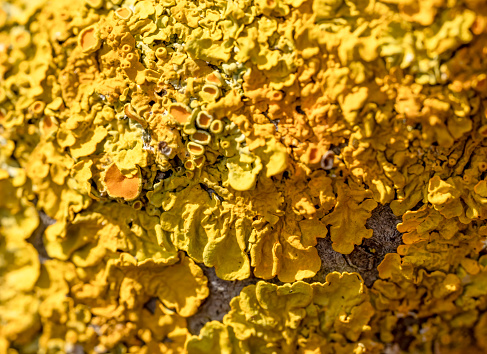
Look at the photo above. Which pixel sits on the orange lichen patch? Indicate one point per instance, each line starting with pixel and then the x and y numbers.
pixel 275 95
pixel 312 156
pixel 180 112
pixel 397 89
pixel 195 149
pixel 210 92
pixel 214 78
pixel 123 13
pixel 137 205
pixel 48 125
pixel 38 107
pixel 89 40
pixel 483 130
pixel 482 166
pixel 22 39
pixel 210 89
pixel 199 161
pixel 216 127
pixel 2 116
pixel 190 165
pixel 203 120
pixel 161 53
pixel 201 137
pixel 119 186
pixel 127 48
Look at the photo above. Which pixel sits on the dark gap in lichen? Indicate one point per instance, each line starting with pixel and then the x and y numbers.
pixel 401 336
pixel 151 305
pixel 37 237
pixel 367 256
pixel 217 304
pixel 211 192
pixel 161 175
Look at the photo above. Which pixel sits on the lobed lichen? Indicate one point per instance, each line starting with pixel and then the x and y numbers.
pixel 163 136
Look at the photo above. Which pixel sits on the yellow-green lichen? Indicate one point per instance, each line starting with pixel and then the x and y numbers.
pixel 242 135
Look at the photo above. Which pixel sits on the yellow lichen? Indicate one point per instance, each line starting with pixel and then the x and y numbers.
pixel 244 136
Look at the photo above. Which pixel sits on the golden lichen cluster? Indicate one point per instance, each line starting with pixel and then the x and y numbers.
pixel 158 134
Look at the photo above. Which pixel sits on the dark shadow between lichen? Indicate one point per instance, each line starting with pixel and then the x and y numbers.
pixel 363 260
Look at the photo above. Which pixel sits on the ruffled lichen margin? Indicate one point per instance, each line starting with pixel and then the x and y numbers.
pixel 153 152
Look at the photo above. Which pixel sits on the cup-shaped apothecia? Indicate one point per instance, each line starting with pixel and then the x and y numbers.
pixel 89 40
pixel 201 137
pixel 120 186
